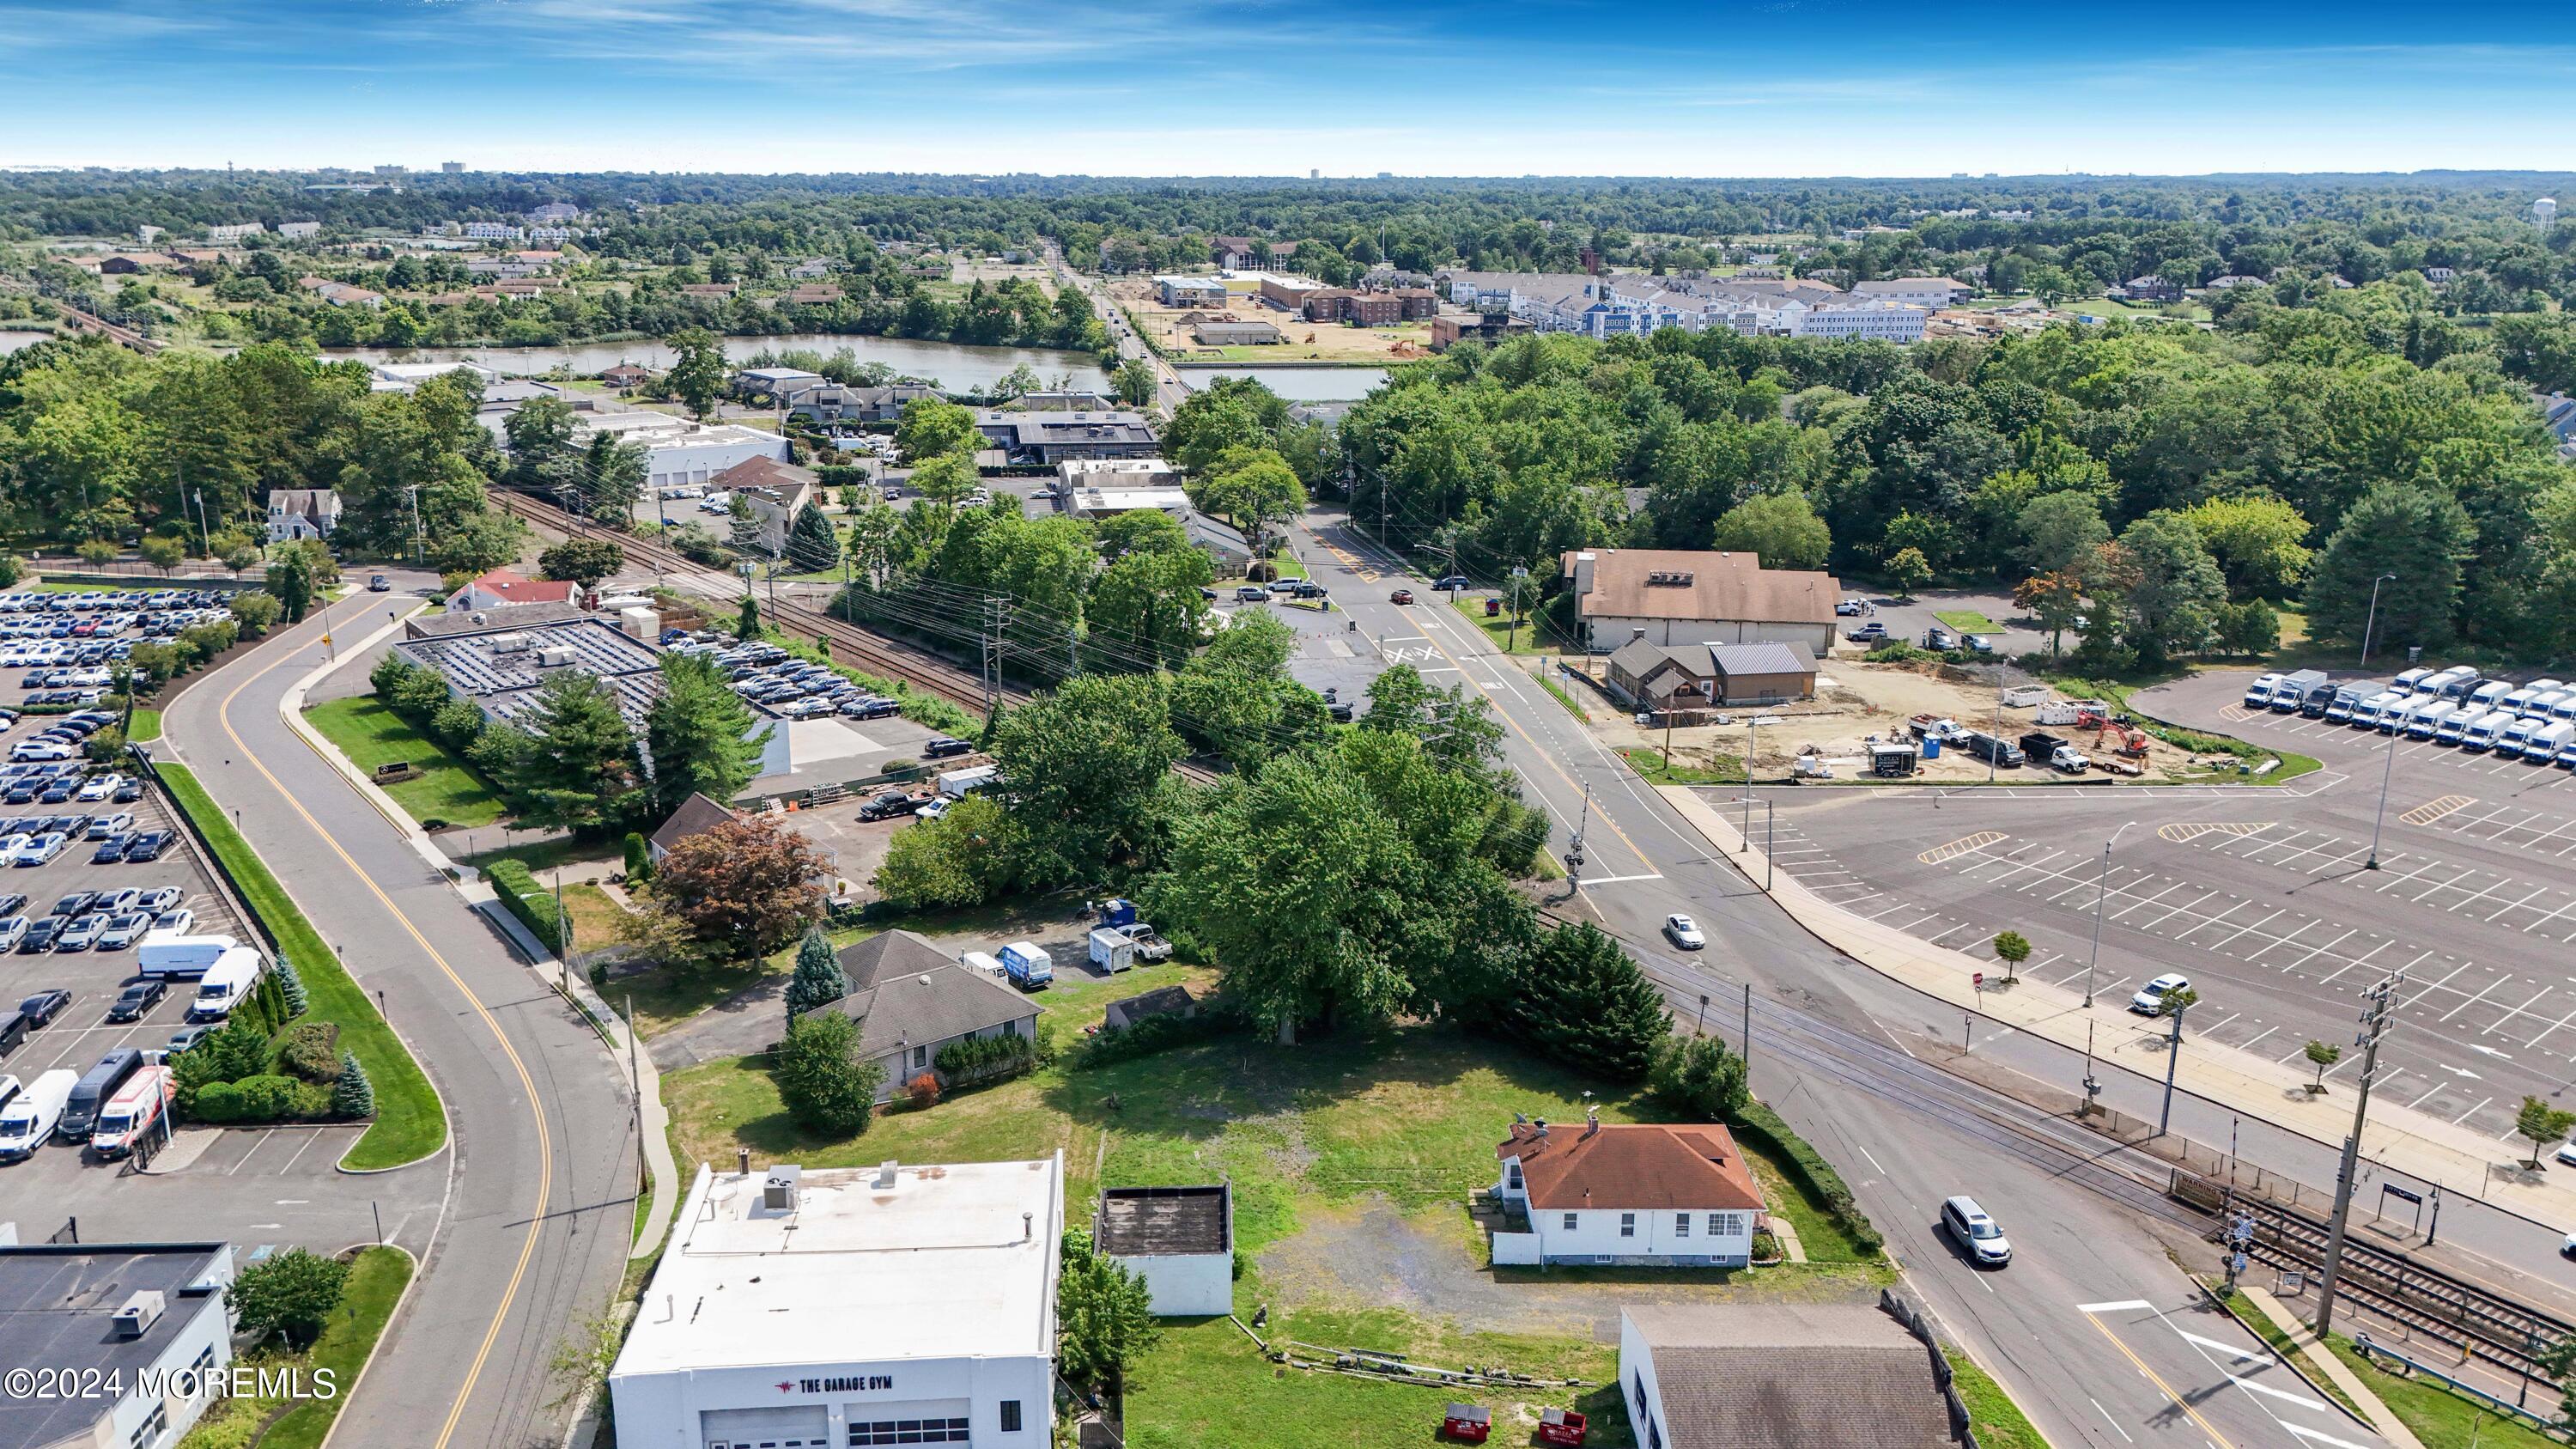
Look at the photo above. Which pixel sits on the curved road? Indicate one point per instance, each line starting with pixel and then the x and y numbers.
pixel 533 1234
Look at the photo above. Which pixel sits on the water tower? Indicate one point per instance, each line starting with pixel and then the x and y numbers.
pixel 2544 211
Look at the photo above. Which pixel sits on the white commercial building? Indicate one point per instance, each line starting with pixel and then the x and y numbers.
pixel 683 452
pixel 854 1306
pixel 140 1330
pixel 1660 1195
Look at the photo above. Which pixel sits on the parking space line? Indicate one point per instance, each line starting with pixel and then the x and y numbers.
pixel 2472 1001
pixel 2328 946
pixel 2536 890
pixel 2482 1101
pixel 2149 900
pixel 2446 885
pixel 2517 1011
pixel 2241 930
pixel 2280 941
pixel 2357 960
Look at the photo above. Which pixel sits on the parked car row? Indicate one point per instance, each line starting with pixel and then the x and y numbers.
pixel 781 683
pixel 61 740
pixel 2454 706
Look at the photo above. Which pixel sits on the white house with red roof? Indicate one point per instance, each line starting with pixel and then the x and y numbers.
pixel 501 587
pixel 1669 1195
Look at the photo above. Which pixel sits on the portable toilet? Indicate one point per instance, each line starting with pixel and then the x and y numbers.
pixel 1931 747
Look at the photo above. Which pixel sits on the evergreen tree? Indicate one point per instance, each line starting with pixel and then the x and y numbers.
pixel 818 980
pixel 1104 1314
pixel 746 618
pixel 2419 534
pixel 745 527
pixel 579 768
pixel 352 1095
pixel 290 981
pixel 293 584
pixel 1581 1000
pixel 812 544
pixel 698 736
pixel 826 1087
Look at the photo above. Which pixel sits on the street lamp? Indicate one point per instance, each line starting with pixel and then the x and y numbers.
pixel 2101 891
pixel 2374 617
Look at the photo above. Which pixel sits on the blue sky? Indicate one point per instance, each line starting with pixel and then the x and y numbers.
pixel 1775 88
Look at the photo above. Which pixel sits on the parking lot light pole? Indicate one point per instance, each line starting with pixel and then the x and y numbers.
pixel 2373 621
pixel 2101 891
pixel 2387 772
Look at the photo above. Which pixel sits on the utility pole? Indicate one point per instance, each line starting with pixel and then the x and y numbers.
pixel 2173 1063
pixel 1744 838
pixel 205 535
pixel 419 537
pixel 2376 1017
pixel 1574 851
pixel 996 620
pixel 1513 642
pixel 2373 622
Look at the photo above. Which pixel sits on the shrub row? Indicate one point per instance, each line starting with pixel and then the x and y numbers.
pixel 522 897
pixel 1814 1176
pixel 262 1099
pixel 985 1058
pixel 1156 1034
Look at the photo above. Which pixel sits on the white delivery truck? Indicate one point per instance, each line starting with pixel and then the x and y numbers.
pixel 980 961
pixel 2368 713
pixel 27 1123
pixel 1111 950
pixel 226 984
pixel 2258 695
pixel 2549 742
pixel 134 1113
pixel 168 953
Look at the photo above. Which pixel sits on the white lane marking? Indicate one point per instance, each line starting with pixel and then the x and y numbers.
pixel 1602 880
pixel 2107 1419
pixel 2123 1306
pixel 2284 1395
pixel 2472 1001
pixel 2322 1438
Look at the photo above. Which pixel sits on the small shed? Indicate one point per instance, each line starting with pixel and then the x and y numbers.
pixel 1161 1001
pixel 1762 673
pixel 1179 1240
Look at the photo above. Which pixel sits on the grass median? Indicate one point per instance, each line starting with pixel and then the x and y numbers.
pixel 410 1122
pixel 2000 1423
pixel 375 1285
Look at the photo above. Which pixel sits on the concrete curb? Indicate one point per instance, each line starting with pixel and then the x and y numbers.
pixel 643 1079
pixel 2336 1371
pixel 2422 1147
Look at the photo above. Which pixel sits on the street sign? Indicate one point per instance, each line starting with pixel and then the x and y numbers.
pixel 1981 981
pixel 2237 1263
pixel 2401 1194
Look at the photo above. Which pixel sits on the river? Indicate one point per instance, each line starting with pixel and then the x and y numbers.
pixel 1302 384
pixel 12 341
pixel 954 366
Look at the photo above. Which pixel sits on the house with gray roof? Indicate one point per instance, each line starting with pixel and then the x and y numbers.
pixel 1781 1376
pixel 1765 673
pixel 910 999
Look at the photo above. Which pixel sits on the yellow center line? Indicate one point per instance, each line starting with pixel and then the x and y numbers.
pixel 545 1137
pixel 2178 1401
pixel 1598 807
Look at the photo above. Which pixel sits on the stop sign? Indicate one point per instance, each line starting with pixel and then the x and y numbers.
pixel 1981 978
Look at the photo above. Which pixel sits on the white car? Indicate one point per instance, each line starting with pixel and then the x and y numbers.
pixel 1682 931
pixel 42 848
pixel 107 825
pixel 2150 1000
pixel 177 923
pixel 100 788
pixel 40 752
pixel 933 809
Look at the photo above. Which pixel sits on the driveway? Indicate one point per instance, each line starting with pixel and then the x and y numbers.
pixel 1908 619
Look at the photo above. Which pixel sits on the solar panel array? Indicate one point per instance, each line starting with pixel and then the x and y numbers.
pixel 502 669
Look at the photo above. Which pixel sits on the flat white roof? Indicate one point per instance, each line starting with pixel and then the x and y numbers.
pixel 954 1261
pixel 1126 500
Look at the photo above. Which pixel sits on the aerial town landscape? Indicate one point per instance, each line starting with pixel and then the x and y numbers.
pixel 729 759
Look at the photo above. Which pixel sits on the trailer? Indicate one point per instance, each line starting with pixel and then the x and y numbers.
pixel 958 784
pixel 2060 712
pixel 1111 950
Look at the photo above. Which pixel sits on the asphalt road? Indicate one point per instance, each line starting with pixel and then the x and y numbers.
pixel 542 1163
pixel 1643 863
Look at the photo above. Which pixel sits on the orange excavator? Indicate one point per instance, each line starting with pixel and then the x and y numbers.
pixel 2131 743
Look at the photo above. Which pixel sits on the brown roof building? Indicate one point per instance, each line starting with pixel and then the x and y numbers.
pixel 1686 596
pixel 813 293
pixel 1781 1376
pixel 1660 1195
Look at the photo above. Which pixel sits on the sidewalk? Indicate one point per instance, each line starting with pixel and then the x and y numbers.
pixel 479 897
pixel 2323 1361
pixel 2459 1160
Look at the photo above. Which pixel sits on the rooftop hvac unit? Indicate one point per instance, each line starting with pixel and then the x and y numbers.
pixel 554 656
pixel 139 1313
pixel 778 1190
pixel 508 643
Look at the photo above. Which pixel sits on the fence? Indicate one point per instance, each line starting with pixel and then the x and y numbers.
pixel 1919 1324
pixel 123 572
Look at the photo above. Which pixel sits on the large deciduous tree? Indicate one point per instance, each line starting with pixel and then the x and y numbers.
pixel 744 887
pixel 1779 529
pixel 1081 771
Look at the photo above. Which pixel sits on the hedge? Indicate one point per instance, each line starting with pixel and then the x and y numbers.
pixel 985 1058
pixel 1814 1176
pixel 410 1122
pixel 522 897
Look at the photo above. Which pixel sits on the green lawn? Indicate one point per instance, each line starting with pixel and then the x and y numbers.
pixel 1206 1383
pixel 1967 620
pixel 370 735
pixel 1507 639
pixel 1650 766
pixel 146 726
pixel 2000 1423
pixel 1573 706
pixel 2439 1417
pixel 410 1122
pixel 597 921
pixel 376 1282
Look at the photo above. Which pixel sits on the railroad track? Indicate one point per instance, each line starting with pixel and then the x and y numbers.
pixel 852 645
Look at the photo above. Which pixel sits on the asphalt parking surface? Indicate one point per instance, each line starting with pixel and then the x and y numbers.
pixel 2263 896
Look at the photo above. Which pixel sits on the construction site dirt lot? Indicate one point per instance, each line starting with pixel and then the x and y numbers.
pixel 1305 341
pixel 1856 701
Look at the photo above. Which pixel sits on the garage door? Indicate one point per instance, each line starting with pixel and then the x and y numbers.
pixel 805 1427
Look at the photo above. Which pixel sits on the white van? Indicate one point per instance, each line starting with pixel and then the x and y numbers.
pixel 28 1121
pixel 225 984
pixel 2410 681
pixel 134 1112
pixel 2426 718
pixel 2258 695
pixel 2549 741
pixel 2368 713
pixel 2476 730
pixel 2514 736
pixel 2491 694
pixel 981 961
pixel 168 953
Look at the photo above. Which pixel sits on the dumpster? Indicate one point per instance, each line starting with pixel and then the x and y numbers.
pixel 1471 1422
